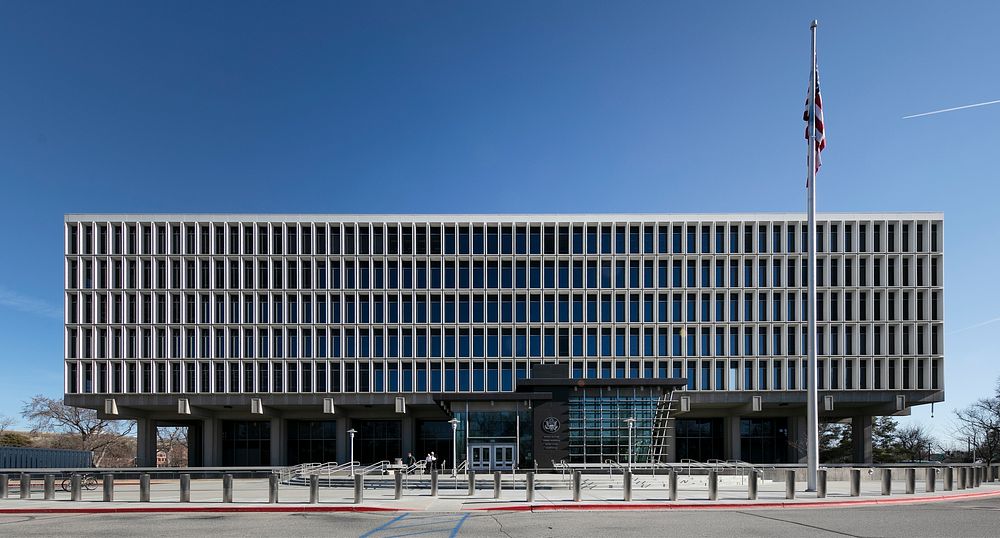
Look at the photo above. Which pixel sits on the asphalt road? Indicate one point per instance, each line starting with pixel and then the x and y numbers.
pixel 980 517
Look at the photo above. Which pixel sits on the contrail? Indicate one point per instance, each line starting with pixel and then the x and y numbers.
pixel 950 109
pixel 976 326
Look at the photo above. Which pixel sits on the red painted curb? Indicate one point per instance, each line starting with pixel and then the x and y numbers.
pixel 197 509
pixel 666 505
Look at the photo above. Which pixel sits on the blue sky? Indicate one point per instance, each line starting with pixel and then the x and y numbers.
pixel 490 107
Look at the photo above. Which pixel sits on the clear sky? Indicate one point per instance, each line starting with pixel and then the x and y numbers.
pixel 490 106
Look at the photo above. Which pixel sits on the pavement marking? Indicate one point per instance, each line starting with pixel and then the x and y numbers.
pixel 443 524
pixel 454 532
pixel 384 525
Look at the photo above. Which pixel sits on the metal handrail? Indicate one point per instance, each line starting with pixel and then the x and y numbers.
pixel 367 469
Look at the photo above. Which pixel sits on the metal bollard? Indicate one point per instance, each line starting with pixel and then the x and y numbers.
pixel 74 488
pixel 472 483
pixel 576 486
pixel 930 481
pixel 4 486
pixel 752 486
pixel 529 487
pixel 50 487
pixel 185 488
pixel 886 481
pixel 496 485
pixel 314 488
pixel 25 486
pixel 109 488
pixel 855 482
pixel 949 478
pixel 911 481
pixel 144 488
pixel 272 489
pixel 789 484
pixel 627 486
pixel 227 488
pixel 961 478
pixel 672 484
pixel 434 483
pixel 713 485
pixel 359 487
pixel 398 485
pixel 996 473
pixel 821 483
pixel 979 476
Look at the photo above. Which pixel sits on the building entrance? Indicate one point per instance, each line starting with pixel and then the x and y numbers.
pixel 492 456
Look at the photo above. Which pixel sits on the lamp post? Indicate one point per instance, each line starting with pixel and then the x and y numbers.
pixel 631 424
pixel 351 432
pixel 454 449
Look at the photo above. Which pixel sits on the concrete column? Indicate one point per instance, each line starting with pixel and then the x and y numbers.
pixel 50 487
pixel 861 436
pixel 211 442
pixel 343 443
pixel 671 435
pixel 145 442
pixel 407 432
pixel 731 433
pixel 278 442
pixel 799 430
pixel 25 486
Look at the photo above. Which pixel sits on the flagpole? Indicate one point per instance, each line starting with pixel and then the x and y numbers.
pixel 812 409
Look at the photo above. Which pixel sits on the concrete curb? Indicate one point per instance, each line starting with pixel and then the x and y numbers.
pixel 735 505
pixel 666 505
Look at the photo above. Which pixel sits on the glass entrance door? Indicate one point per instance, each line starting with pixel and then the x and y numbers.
pixel 503 457
pixel 491 456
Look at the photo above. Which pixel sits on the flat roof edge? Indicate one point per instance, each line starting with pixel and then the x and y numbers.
pixel 493 217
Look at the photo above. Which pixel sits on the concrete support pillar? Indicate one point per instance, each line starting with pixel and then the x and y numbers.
pixel 861 436
pixel 343 443
pixel 407 432
pixel 145 442
pixel 731 433
pixel 278 442
pixel 799 430
pixel 211 442
pixel 671 435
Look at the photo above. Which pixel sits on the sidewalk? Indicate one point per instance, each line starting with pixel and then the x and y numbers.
pixel 251 495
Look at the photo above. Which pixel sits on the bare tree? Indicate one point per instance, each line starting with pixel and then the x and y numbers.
pixel 979 425
pixel 173 442
pixel 90 430
pixel 5 423
pixel 913 442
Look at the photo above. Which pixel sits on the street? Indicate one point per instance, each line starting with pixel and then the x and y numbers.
pixel 978 517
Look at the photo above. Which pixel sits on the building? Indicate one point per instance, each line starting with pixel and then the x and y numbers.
pixel 280 339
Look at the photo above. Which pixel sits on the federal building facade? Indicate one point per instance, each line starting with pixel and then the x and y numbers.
pixel 524 339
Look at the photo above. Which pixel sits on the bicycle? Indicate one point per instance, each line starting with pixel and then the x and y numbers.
pixel 87 482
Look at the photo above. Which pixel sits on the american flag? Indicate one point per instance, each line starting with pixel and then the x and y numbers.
pixel 820 131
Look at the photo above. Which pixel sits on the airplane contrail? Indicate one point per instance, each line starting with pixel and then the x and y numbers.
pixel 951 109
pixel 976 326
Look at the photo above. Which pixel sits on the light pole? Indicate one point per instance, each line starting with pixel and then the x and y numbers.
pixel 454 449
pixel 631 424
pixel 351 432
